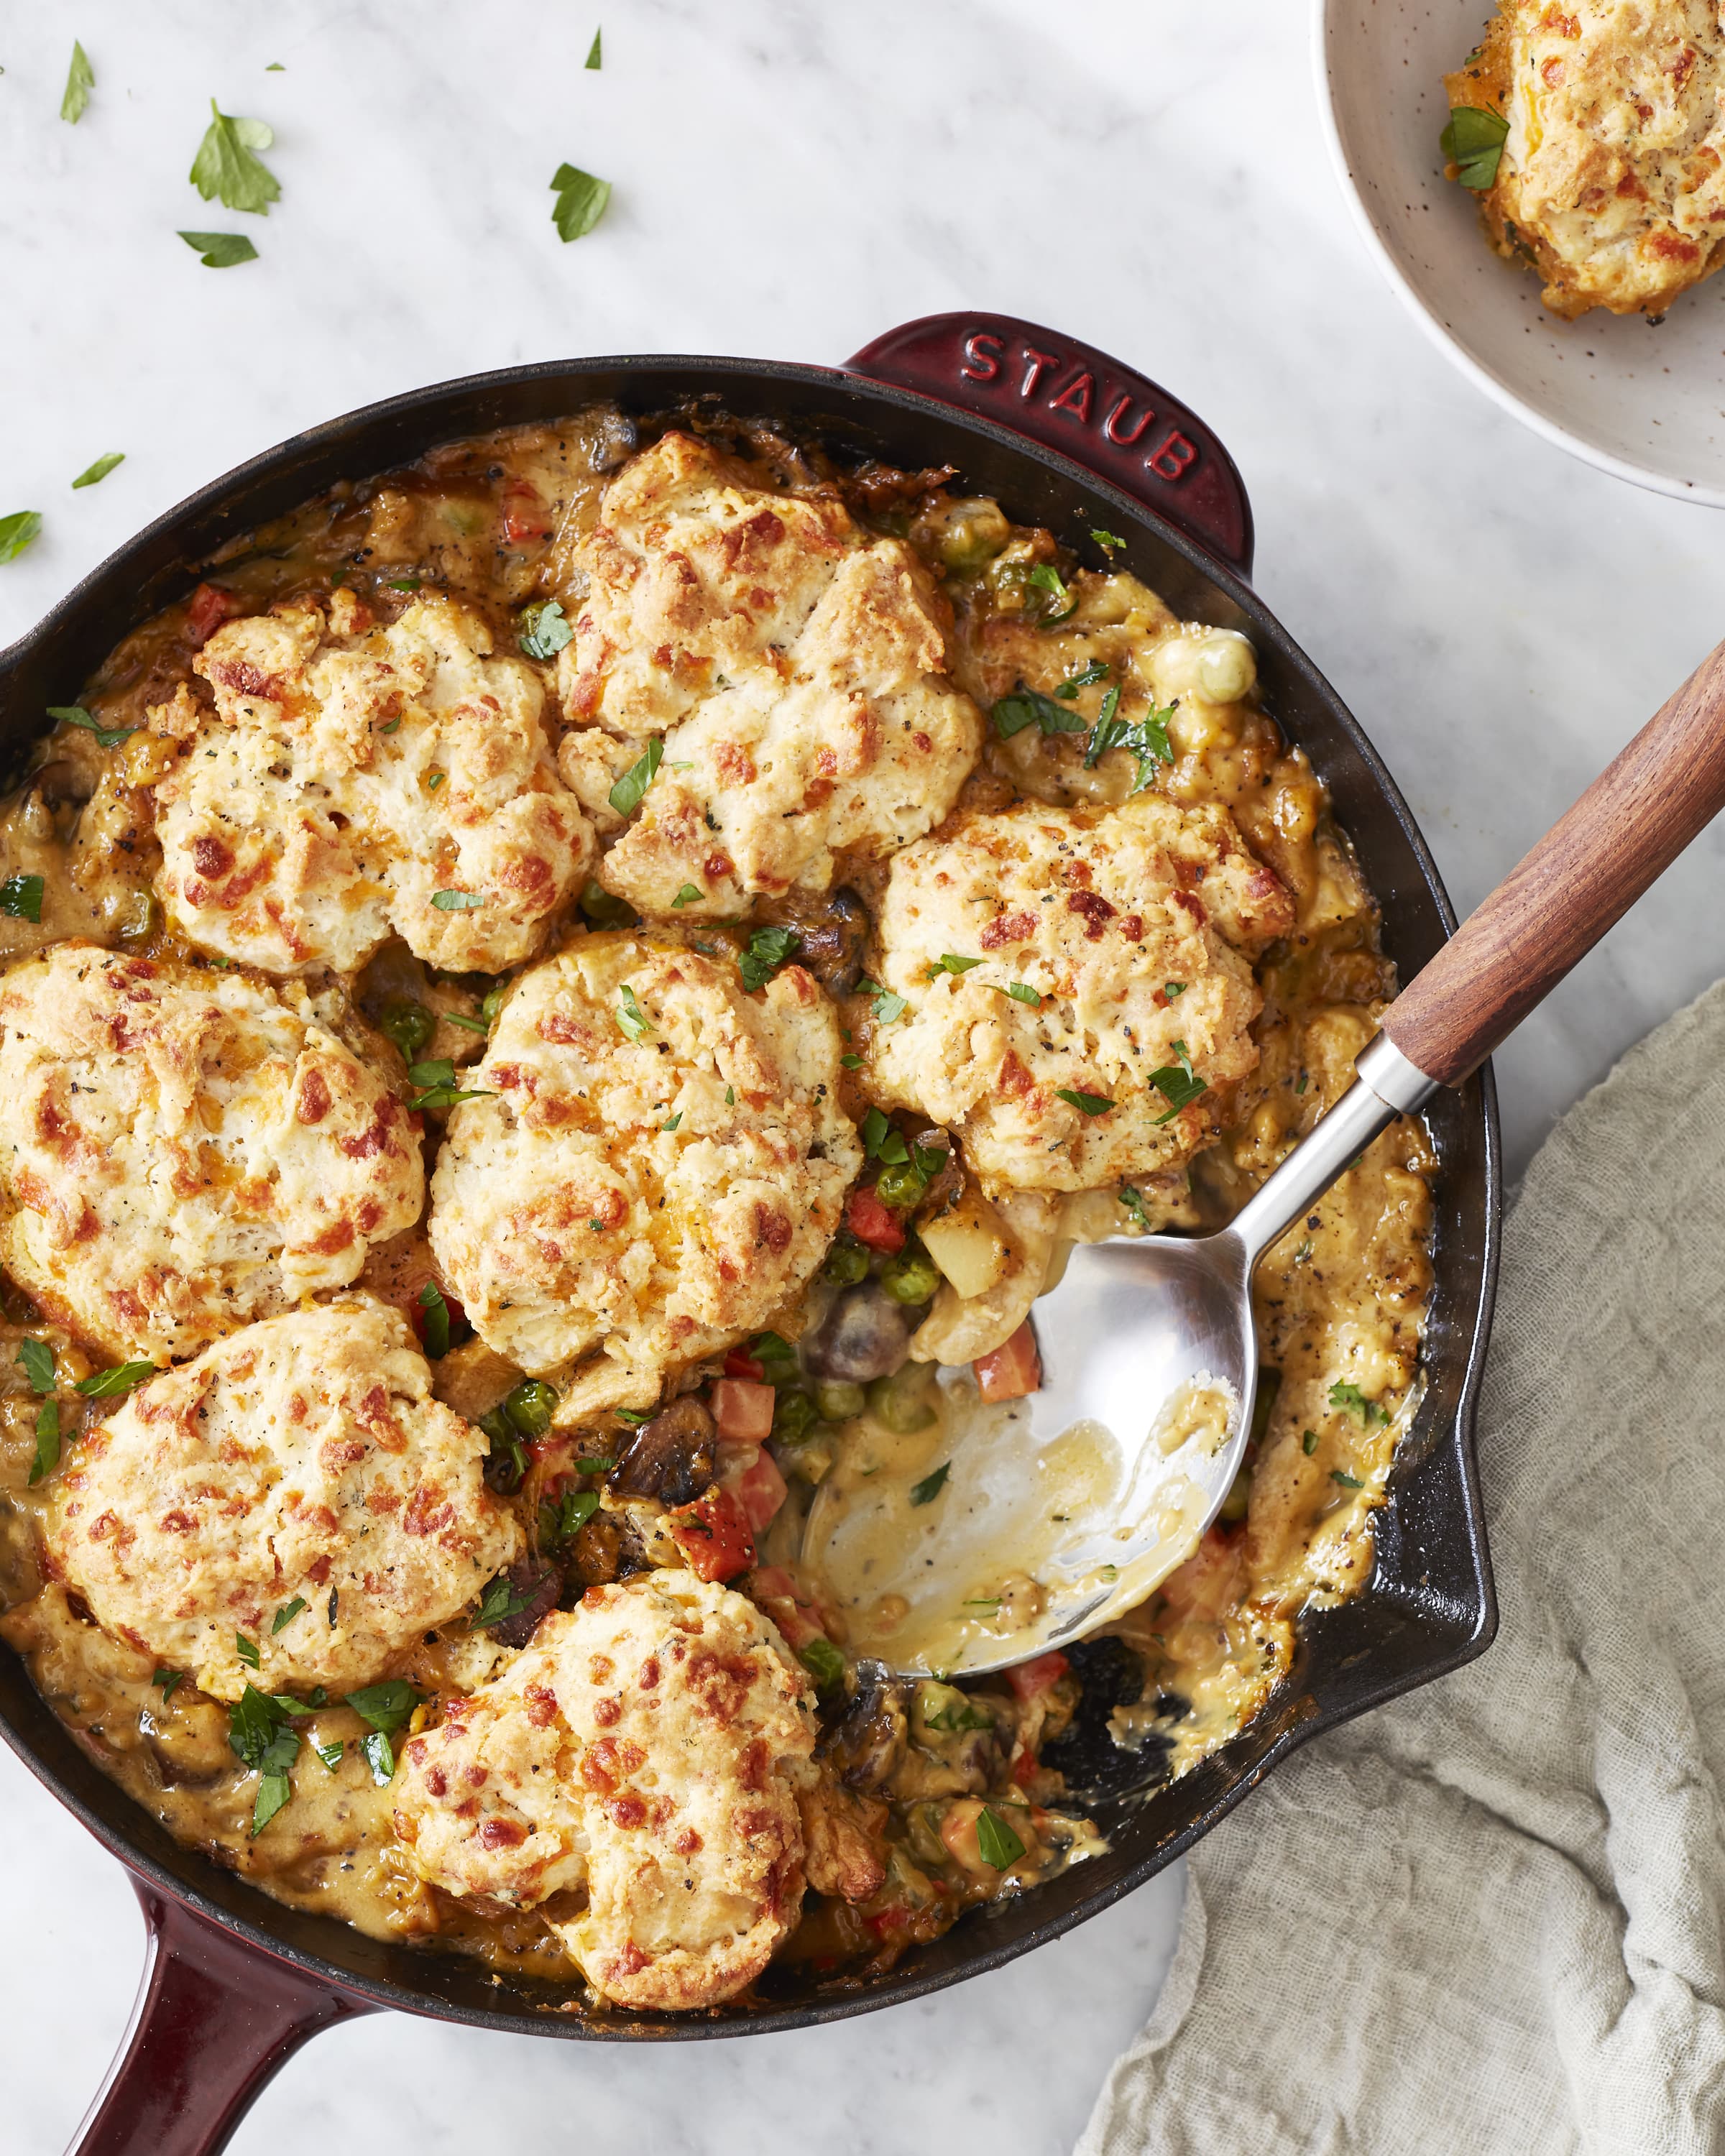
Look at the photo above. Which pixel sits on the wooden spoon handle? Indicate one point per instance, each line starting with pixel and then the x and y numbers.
pixel 1583 876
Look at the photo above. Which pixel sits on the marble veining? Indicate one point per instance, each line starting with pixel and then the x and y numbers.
pixel 793 178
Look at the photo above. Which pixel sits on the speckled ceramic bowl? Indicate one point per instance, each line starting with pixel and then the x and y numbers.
pixel 1645 402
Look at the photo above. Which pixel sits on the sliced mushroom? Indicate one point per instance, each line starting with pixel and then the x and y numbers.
pixel 671 1458
pixel 542 1584
pixel 864 1335
pixel 867 1742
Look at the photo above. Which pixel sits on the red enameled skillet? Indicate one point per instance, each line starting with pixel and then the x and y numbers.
pixel 1062 435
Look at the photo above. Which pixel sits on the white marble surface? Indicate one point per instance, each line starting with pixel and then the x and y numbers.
pixel 792 177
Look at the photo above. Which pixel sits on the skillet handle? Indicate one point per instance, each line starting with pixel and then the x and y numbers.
pixel 1074 399
pixel 215 2020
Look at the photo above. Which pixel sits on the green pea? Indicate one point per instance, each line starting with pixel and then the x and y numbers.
pixel 531 1406
pixel 824 1663
pixel 409 1025
pixel 604 909
pixel 494 1002
pixel 794 1418
pixel 904 1403
pixel 847 1263
pixel 912 1277
pixel 900 1186
pixel 837 1401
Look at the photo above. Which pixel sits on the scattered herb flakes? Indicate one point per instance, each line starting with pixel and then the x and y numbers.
pixel 38 1359
pixel 379 1756
pixel 889 1008
pixel 1021 992
pixel 405 583
pixel 1048 578
pixel 1106 541
pixel 436 1079
pixel 851 1062
pixel 625 795
pixel 48 1441
pixel 220 251
pixel 74 714
pixel 1029 707
pixel 110 1384
pixel 275 67
pixel 1172 988
pixel 634 1417
pixel 602 1463
pixel 387 1707
pixel 1178 1084
pixel 929 1488
pixel 595 55
pixel 227 169
pixel 262 1736
pixel 21 896
pixel 467 1024
pixel 168 1681
pixel 881 1142
pixel 1086 677
pixel 561 1521
pixel 544 629
pixel 1090 1104
pixel 330 1754
pixel 768 949
pixel 730 1097
pixel 824 1663
pixel 1108 732
pixel 996 1842
pixel 1473 141
pixel 435 779
pixel 499 1602
pixel 581 201
pixel 1304 1081
pixel 285 1615
pixel 1353 1401
pixel 19 530
pixel 1308 1442
pixel 1347 1481
pixel 97 472
pixel 1133 1201
pixel 950 963
pixel 457 901
pixel 690 895
pixel 631 1018
pixel 1146 737
pixel 247 1650
pixel 435 1332
pixel 80 81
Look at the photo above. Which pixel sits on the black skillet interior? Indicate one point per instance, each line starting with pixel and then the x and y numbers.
pixel 1430 1607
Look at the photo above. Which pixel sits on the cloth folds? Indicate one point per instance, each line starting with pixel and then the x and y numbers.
pixel 1490 1917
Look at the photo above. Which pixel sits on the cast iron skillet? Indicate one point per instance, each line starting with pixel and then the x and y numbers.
pixel 1063 436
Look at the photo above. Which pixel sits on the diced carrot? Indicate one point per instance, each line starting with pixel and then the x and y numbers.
pixel 714 1535
pixel 743 1410
pixel 753 1478
pixel 1028 1679
pixel 874 1223
pixel 1011 1370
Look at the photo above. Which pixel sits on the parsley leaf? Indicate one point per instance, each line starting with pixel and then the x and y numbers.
pixel 38 1359
pixel 457 901
pixel 631 1017
pixel 220 251
pixel 1086 678
pixel 1021 992
pixel 889 1008
pixel 170 1681
pixel 226 168
pixel 851 1062
pixel 1029 707
pixel 625 795
pixel 74 714
pixel 768 949
pixel 285 1615
pixel 1048 578
pixel 262 1736
pixel 947 962
pixel 387 1707
pixel 1474 140
pixel 1146 737
pixel 467 1024
pixel 1090 1104
pixel 996 1842
pixel 1133 1200
pixel 581 201
pixel 437 1080
pixel 330 1754
pixel 824 1663
pixel 97 472
pixel 544 629
pixel 561 1521
pixel 929 1488
pixel 1353 1401
pixel 690 895
pixel 1106 541
pixel 499 1602
pixel 108 1384
pixel 1347 1481
pixel 594 54
pixel 881 1142
pixel 48 1441
pixel 1178 1084
pixel 21 896
pixel 1172 988
pixel 247 1650
pixel 80 81
pixel 379 1756
pixel 436 1332
pixel 17 532
pixel 1308 1442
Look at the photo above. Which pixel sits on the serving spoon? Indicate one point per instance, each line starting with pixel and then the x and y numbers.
pixel 1074 1505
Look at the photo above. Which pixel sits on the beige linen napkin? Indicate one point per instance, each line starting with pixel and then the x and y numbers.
pixel 1489 1917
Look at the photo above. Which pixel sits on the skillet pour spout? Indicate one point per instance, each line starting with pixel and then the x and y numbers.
pixel 1064 436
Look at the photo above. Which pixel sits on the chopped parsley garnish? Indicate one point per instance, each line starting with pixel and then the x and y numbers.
pixel 18 531
pixel 625 795
pixel 227 167
pixel 603 1462
pixel 581 201
pixel 776 1356
pixel 220 251
pixel 631 1018
pixel 379 1756
pixel 950 963
pixel 850 1062
pixel 330 1754
pixel 48 1441
pixel 1048 578
pixel 21 896
pixel 386 1705
pixel 108 1384
pixel 436 1079
pixel 929 1488
pixel 1347 1481
pixel 247 1650
pixel 467 1024
pixel 80 81
pixel 768 949
pixel 1474 140
pixel 1029 707
pixel 889 1008
pixel 880 1140
pixel 824 1663
pixel 285 1615
pixel 168 1681
pixel 94 475
pixel 1308 1442
pixel 671 1122
pixel 560 1522
pixel 1021 992
pixel 38 1359
pixel 1086 678
pixel 1178 1084
pixel 1106 541
pixel 262 1736
pixel 1304 1081
pixel 1146 737
pixel 499 1602
pixel 690 895
pixel 1090 1104
pixel 74 714
pixel 435 779
pixel 1133 1200
pixel 730 1097
pixel 1172 988
pixel 544 630
pixel 435 1331
pixel 404 584
pixel 457 901
pixel 595 55
pixel 634 1417
pixel 1353 1401
pixel 996 1842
